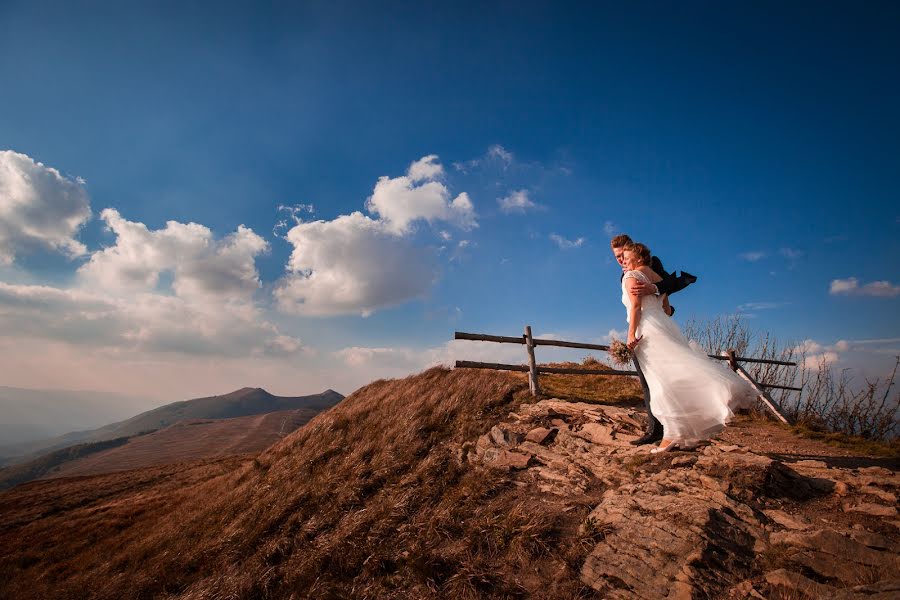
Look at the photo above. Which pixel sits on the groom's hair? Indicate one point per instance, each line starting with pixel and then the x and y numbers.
pixel 642 252
pixel 620 240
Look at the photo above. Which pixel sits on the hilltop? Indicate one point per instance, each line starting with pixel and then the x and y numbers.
pixel 459 484
pixel 239 403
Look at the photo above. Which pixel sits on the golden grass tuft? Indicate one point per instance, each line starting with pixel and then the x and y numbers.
pixel 601 389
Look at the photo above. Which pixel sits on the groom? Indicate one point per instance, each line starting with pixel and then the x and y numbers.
pixel 669 285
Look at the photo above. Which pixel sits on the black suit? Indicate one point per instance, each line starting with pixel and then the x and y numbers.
pixel 669 285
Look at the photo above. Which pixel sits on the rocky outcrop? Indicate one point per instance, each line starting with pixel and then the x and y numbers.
pixel 721 521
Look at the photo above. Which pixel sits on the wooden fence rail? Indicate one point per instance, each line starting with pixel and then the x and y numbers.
pixel 533 369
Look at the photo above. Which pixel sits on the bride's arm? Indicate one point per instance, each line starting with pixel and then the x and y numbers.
pixel 634 320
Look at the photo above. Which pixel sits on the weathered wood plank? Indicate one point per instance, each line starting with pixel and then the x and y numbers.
pixel 541 342
pixel 567 371
pixel 755 360
pixel 781 387
pixel 471 364
pixel 764 395
pixel 532 363
pixel 481 337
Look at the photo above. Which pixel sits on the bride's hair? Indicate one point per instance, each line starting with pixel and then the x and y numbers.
pixel 641 251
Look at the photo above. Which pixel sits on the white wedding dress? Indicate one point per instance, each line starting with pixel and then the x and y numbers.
pixel 692 395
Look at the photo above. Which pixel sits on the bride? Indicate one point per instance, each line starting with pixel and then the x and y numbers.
pixel 691 395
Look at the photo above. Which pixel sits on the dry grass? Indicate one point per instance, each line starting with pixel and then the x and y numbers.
pixel 366 501
pixel 604 389
pixel 855 443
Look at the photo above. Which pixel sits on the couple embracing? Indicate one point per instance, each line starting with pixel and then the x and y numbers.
pixel 688 396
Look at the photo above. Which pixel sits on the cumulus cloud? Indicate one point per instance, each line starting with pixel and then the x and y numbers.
pixel 851 286
pixel 400 201
pixel 353 264
pixel 566 244
pixel 207 310
pixel 517 202
pixel 356 264
pixel 39 208
pixel 201 265
pixel 144 322
pixel 752 256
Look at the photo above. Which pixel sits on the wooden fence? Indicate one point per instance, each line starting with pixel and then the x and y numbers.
pixel 533 369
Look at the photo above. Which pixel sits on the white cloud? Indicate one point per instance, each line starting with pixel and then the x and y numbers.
pixel 496 156
pixel 141 323
pixel 397 358
pixel 39 208
pixel 295 213
pixel 517 202
pixel 356 264
pixel 615 334
pixel 353 264
pixel 752 256
pixel 851 286
pixel 400 201
pixel 867 358
pixel 759 306
pixel 426 168
pixel 500 153
pixel 610 229
pixel 791 253
pixel 200 265
pixel 566 244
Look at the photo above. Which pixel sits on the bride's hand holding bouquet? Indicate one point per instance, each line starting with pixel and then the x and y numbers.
pixel 620 352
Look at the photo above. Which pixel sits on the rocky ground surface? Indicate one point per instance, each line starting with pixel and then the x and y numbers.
pixel 758 513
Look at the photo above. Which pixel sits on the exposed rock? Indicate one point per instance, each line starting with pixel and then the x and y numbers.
pixel 506 459
pixel 876 510
pixel 684 461
pixel 797 583
pixel 873 540
pixel 723 521
pixel 541 435
pixel 786 520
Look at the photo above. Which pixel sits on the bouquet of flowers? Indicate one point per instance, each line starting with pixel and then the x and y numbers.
pixel 620 352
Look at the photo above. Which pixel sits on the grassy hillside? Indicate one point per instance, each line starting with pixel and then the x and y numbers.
pixel 40 467
pixel 367 500
pixel 240 403
pixel 191 440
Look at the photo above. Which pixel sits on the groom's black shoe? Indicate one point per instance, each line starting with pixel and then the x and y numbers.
pixel 651 437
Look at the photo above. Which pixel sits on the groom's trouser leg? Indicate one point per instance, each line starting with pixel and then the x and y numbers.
pixel 654 427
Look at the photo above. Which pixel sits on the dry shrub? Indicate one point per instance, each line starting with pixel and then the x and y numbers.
pixel 830 401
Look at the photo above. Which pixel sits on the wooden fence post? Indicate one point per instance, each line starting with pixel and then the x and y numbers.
pixel 532 363
pixel 763 394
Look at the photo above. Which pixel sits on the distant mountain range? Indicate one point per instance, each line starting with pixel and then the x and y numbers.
pixel 240 403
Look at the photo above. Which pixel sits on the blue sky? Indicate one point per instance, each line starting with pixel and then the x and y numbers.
pixel 752 145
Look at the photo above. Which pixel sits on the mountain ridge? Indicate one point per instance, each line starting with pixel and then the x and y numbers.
pixel 239 403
